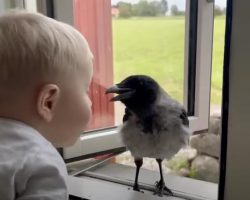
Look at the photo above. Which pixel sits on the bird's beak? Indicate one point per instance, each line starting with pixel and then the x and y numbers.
pixel 123 93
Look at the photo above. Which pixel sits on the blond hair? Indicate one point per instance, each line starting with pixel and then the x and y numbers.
pixel 35 47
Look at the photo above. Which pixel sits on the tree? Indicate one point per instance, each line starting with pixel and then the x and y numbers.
pixel 224 11
pixel 217 11
pixel 156 7
pixel 161 7
pixel 164 7
pixel 143 8
pixel 125 9
pixel 174 10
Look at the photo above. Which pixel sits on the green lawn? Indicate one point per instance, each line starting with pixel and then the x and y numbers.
pixel 155 46
pixel 218 53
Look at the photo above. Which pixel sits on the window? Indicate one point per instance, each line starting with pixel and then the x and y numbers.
pixel 235 120
pixel 186 65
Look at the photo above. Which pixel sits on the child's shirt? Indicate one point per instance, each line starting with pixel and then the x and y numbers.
pixel 30 167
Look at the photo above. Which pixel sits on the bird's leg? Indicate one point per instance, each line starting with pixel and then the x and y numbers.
pixel 160 185
pixel 138 163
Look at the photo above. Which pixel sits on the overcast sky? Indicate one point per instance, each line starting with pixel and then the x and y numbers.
pixel 179 3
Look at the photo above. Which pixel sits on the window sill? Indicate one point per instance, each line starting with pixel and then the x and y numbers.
pixel 114 181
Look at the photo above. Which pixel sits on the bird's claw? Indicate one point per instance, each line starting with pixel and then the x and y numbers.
pixel 160 188
pixel 137 188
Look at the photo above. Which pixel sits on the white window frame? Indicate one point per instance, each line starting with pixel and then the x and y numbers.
pixel 200 120
pixel 118 178
pixel 103 140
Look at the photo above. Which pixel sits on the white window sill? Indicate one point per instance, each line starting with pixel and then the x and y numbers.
pixel 114 181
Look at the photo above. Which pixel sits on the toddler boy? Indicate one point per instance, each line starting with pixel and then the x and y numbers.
pixel 45 73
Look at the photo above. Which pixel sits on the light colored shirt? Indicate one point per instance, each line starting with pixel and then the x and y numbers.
pixel 30 167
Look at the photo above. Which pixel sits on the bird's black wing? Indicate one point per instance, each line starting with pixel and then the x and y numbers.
pixel 126 115
pixel 184 117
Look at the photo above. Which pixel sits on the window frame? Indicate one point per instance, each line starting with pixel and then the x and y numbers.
pixel 199 121
pixel 108 139
pixel 233 107
pixel 119 179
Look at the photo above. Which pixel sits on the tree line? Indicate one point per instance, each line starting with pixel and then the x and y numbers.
pixel 153 8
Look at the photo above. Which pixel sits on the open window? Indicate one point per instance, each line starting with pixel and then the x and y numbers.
pixel 181 64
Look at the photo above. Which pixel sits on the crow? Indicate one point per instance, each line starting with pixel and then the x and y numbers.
pixel 154 124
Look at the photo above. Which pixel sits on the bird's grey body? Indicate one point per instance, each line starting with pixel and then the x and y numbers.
pixel 168 136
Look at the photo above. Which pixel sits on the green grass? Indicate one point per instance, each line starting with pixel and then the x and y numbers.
pixel 155 46
pixel 217 66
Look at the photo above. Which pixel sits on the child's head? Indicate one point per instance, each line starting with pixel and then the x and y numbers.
pixel 45 72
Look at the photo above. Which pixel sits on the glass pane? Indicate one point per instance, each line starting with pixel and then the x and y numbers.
pixel 11 4
pixel 148 38
pixel 6 4
pixel 93 19
pixel 218 53
pixel 156 48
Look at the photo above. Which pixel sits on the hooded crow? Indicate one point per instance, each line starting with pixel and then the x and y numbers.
pixel 154 124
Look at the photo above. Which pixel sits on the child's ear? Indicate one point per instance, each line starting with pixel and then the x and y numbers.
pixel 47 100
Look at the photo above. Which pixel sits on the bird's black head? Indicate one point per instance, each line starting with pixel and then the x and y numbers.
pixel 136 92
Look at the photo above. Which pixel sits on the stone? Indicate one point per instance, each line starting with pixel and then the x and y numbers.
pixel 148 163
pixel 181 159
pixel 184 172
pixel 215 125
pixel 188 153
pixel 206 143
pixel 215 111
pixel 205 168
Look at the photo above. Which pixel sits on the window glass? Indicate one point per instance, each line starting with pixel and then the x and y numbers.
pixel 6 4
pixel 218 54
pixel 148 38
